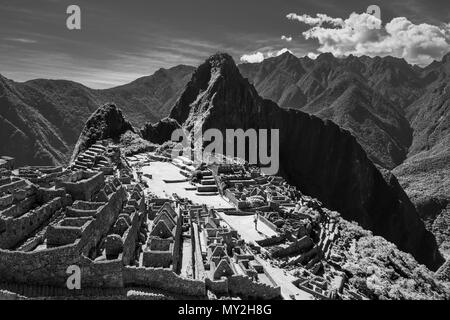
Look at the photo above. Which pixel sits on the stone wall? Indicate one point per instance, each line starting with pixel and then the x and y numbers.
pixel 164 279
pixel 244 286
pixel 218 287
pixel 103 274
pixel 27 291
pixel 16 230
pixel 45 195
pixel 42 267
pixel 49 266
pixel 130 236
pixel 158 258
pixel 12 184
pixel 274 240
pixel 296 247
pixel 177 247
pixel 232 198
pixel 7 162
pixel 84 187
pixel 105 218
pixel 199 267
pixel 264 220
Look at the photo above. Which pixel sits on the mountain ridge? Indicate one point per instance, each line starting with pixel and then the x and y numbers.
pixel 398 113
pixel 315 155
pixel 402 118
pixel 47 116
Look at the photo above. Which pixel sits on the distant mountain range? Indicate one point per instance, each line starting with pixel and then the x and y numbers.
pixel 397 112
pixel 41 120
pixel 316 155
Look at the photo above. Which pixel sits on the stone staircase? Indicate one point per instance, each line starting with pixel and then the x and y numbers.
pixel 208 184
pixel 92 159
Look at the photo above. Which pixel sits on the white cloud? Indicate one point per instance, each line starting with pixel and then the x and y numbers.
pixel 288 39
pixel 364 34
pixel 318 20
pixel 21 40
pixel 259 56
pixel 253 57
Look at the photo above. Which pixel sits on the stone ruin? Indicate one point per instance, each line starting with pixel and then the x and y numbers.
pixel 305 230
pixel 6 163
pixel 123 241
pixel 97 157
pixel 128 243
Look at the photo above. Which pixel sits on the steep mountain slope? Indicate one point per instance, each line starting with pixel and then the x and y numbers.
pixel 425 175
pixel 30 127
pixel 399 114
pixel 149 98
pixel 107 122
pixel 430 114
pixel 352 92
pixel 276 79
pixel 394 78
pixel 378 126
pixel 315 155
pixel 41 120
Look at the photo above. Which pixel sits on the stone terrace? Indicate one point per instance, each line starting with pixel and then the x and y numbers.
pixel 100 215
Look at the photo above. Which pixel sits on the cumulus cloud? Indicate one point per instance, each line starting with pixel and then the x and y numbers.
pixel 259 56
pixel 318 20
pixel 253 57
pixel 288 39
pixel 364 34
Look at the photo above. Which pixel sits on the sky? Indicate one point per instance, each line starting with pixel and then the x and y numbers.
pixel 120 41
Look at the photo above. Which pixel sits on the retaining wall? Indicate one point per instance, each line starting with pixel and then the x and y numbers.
pixel 16 230
pixel 164 279
pixel 267 223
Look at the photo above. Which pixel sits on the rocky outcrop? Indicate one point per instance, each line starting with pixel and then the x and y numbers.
pixel 317 156
pixel 41 120
pixel 160 131
pixel 107 122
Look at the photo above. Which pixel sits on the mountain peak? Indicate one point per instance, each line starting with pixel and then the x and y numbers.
pixel 107 122
pixel 446 58
pixel 216 65
pixel 326 56
pixel 220 60
pixel 287 55
pixel 216 77
pixel 220 56
pixel 220 64
pixel 219 98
